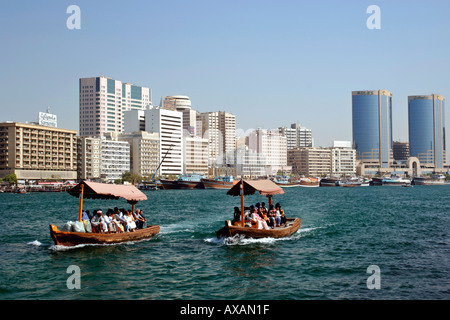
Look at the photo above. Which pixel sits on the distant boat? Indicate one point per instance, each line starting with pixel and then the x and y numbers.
pixel 377 181
pixel 328 182
pixel 365 182
pixel 352 182
pixel 431 180
pixel 225 182
pixel 309 182
pixel 284 183
pixel 184 181
pixel 395 181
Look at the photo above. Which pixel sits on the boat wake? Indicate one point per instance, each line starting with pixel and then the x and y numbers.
pixel 242 241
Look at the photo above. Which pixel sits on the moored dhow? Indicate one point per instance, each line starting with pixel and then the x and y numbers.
pixel 309 182
pixel 184 181
pixel 328 182
pixel 429 180
pixel 225 182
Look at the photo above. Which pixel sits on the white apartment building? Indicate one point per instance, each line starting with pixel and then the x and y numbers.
pixel 144 152
pixel 249 163
pixel 343 159
pixel 103 101
pixel 220 129
pixel 297 136
pixel 89 158
pixel 169 125
pixel 115 158
pixel 272 145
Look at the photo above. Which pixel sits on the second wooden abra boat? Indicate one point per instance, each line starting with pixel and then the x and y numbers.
pixel 265 188
pixel 94 190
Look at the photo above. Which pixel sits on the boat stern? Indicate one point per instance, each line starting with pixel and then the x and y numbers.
pixel 53 231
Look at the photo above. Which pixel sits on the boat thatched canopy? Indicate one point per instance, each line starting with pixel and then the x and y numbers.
pixel 264 187
pixel 95 190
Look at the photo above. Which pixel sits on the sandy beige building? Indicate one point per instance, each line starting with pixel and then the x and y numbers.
pixel 35 152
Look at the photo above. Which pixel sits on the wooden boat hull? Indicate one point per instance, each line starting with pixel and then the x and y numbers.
pixel 309 185
pixel 76 238
pixel 288 185
pixel 217 184
pixel 328 182
pixel 176 184
pixel 292 225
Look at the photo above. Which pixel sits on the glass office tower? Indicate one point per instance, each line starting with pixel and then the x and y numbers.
pixel 372 126
pixel 426 123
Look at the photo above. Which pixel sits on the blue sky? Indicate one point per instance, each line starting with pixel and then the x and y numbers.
pixel 271 63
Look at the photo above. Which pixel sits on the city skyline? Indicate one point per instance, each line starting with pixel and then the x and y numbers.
pixel 294 62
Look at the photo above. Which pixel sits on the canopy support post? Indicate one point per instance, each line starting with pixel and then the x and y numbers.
pixel 242 204
pixel 80 210
pixel 270 200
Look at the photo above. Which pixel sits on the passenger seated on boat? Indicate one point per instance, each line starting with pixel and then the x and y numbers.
pixel 248 217
pixel 98 222
pixel 263 215
pixel 131 222
pixel 113 224
pixel 272 216
pixel 86 215
pixel 263 207
pixel 281 218
pixel 140 219
pixel 120 218
pixel 257 221
pixel 236 216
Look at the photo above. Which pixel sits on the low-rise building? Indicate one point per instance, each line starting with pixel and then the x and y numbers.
pixel 36 152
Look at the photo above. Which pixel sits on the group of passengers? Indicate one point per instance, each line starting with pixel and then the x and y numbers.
pixel 259 217
pixel 115 220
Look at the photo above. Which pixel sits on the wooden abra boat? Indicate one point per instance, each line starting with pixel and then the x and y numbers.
pixel 265 188
pixel 94 190
pixel 64 238
pixel 291 226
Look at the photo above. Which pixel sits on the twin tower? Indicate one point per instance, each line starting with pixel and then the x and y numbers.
pixel 372 129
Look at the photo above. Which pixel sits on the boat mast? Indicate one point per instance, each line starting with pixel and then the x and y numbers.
pixel 165 155
pixel 242 203
pixel 80 210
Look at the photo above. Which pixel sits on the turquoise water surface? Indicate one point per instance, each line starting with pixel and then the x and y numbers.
pixel 402 231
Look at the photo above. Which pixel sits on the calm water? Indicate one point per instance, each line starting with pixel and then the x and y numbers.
pixel 403 231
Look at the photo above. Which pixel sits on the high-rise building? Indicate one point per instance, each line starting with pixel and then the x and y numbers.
pixel 220 129
pixel 297 136
pixel 372 127
pixel 400 150
pixel 426 119
pixel 343 159
pixel 175 102
pixel 310 161
pixel 196 155
pixel 35 152
pixel 169 125
pixel 183 105
pixel 89 157
pixel 272 145
pixel 144 152
pixel 115 158
pixel 103 101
